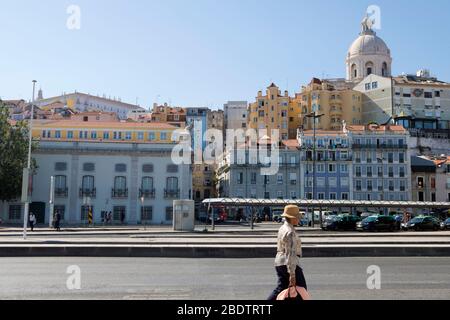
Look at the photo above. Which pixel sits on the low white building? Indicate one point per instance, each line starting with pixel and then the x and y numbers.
pixel 136 181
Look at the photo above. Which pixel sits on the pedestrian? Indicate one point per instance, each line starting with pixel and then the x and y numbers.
pixel 122 217
pixel 32 219
pixel 289 251
pixel 110 217
pixel 58 221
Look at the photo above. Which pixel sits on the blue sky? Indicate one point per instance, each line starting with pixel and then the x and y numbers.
pixel 204 52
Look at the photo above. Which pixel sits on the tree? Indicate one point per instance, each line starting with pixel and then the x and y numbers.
pixel 13 155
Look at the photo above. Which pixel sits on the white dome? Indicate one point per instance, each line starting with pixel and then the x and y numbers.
pixel 369 44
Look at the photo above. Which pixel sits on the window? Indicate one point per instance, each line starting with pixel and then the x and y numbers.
pixel 253 177
pixel 293 178
pixel 358 171
pixel 391 185
pixel 69 134
pixel 332 182
pixel 374 85
pixel 147 168
pixel 140 135
pixel 433 182
pixel 60 166
pixel 344 168
pixel 119 213
pixel 106 135
pixel 280 195
pixel 391 172
pixel 332 195
pixel 147 184
pixel 93 134
pixel 293 195
pixel 128 135
pixel 344 196
pixel 401 157
pixel 390 157
pixel 420 182
pixel 240 178
pixel 120 183
pixel 420 196
pixel 280 178
pixel 88 166
pixel 163 135
pixel 369 171
pixel 344 182
pixel 344 155
pixel 121 167
pixel 428 95
pixel 367 86
pixel 87 183
pixel 60 184
pixel 320 182
pixel 172 184
pixel 169 213
pixel 321 196
pixel 15 212
pixel 172 168
pixel 146 213
pixel 151 136
pixel 369 185
pixel 358 185
pixel 402 185
pixel 401 172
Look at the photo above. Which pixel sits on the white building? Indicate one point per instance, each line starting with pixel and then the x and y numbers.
pixel 368 55
pixel 235 115
pixel 85 102
pixel 133 179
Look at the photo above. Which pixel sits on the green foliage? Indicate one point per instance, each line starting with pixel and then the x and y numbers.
pixel 13 155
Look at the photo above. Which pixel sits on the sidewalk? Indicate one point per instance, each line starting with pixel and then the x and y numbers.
pixel 219 244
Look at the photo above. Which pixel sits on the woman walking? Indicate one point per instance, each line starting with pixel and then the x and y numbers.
pixel 289 251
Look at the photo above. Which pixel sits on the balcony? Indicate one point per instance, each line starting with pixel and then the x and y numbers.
pixel 147 193
pixel 119 193
pixel 61 192
pixel 379 146
pixel 90 193
pixel 336 112
pixel 171 193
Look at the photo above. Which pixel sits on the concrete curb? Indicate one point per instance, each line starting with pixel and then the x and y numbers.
pixel 219 251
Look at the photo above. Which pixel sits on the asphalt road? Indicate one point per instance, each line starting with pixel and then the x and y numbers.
pixel 223 279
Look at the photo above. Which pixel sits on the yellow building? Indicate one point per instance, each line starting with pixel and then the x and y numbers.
pixel 276 111
pixel 270 112
pixel 103 131
pixel 335 104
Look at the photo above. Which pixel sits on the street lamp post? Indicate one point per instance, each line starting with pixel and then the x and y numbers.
pixel 27 172
pixel 142 212
pixel 314 116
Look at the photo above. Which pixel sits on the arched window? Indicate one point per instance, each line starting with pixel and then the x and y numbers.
pixel 88 183
pixel 354 71
pixel 369 68
pixel 384 70
pixel 120 183
pixel 172 183
pixel 147 183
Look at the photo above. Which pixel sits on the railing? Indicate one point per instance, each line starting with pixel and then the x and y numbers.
pixel 171 194
pixel 379 146
pixel 91 193
pixel 147 193
pixel 61 192
pixel 119 193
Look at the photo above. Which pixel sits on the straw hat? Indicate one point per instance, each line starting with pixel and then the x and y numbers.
pixel 291 211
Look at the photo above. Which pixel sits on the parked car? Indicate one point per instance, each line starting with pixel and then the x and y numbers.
pixel 367 214
pixel 423 223
pixel 445 225
pixel 378 223
pixel 340 222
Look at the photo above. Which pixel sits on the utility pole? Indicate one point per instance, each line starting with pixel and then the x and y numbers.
pixel 52 202
pixel 27 171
